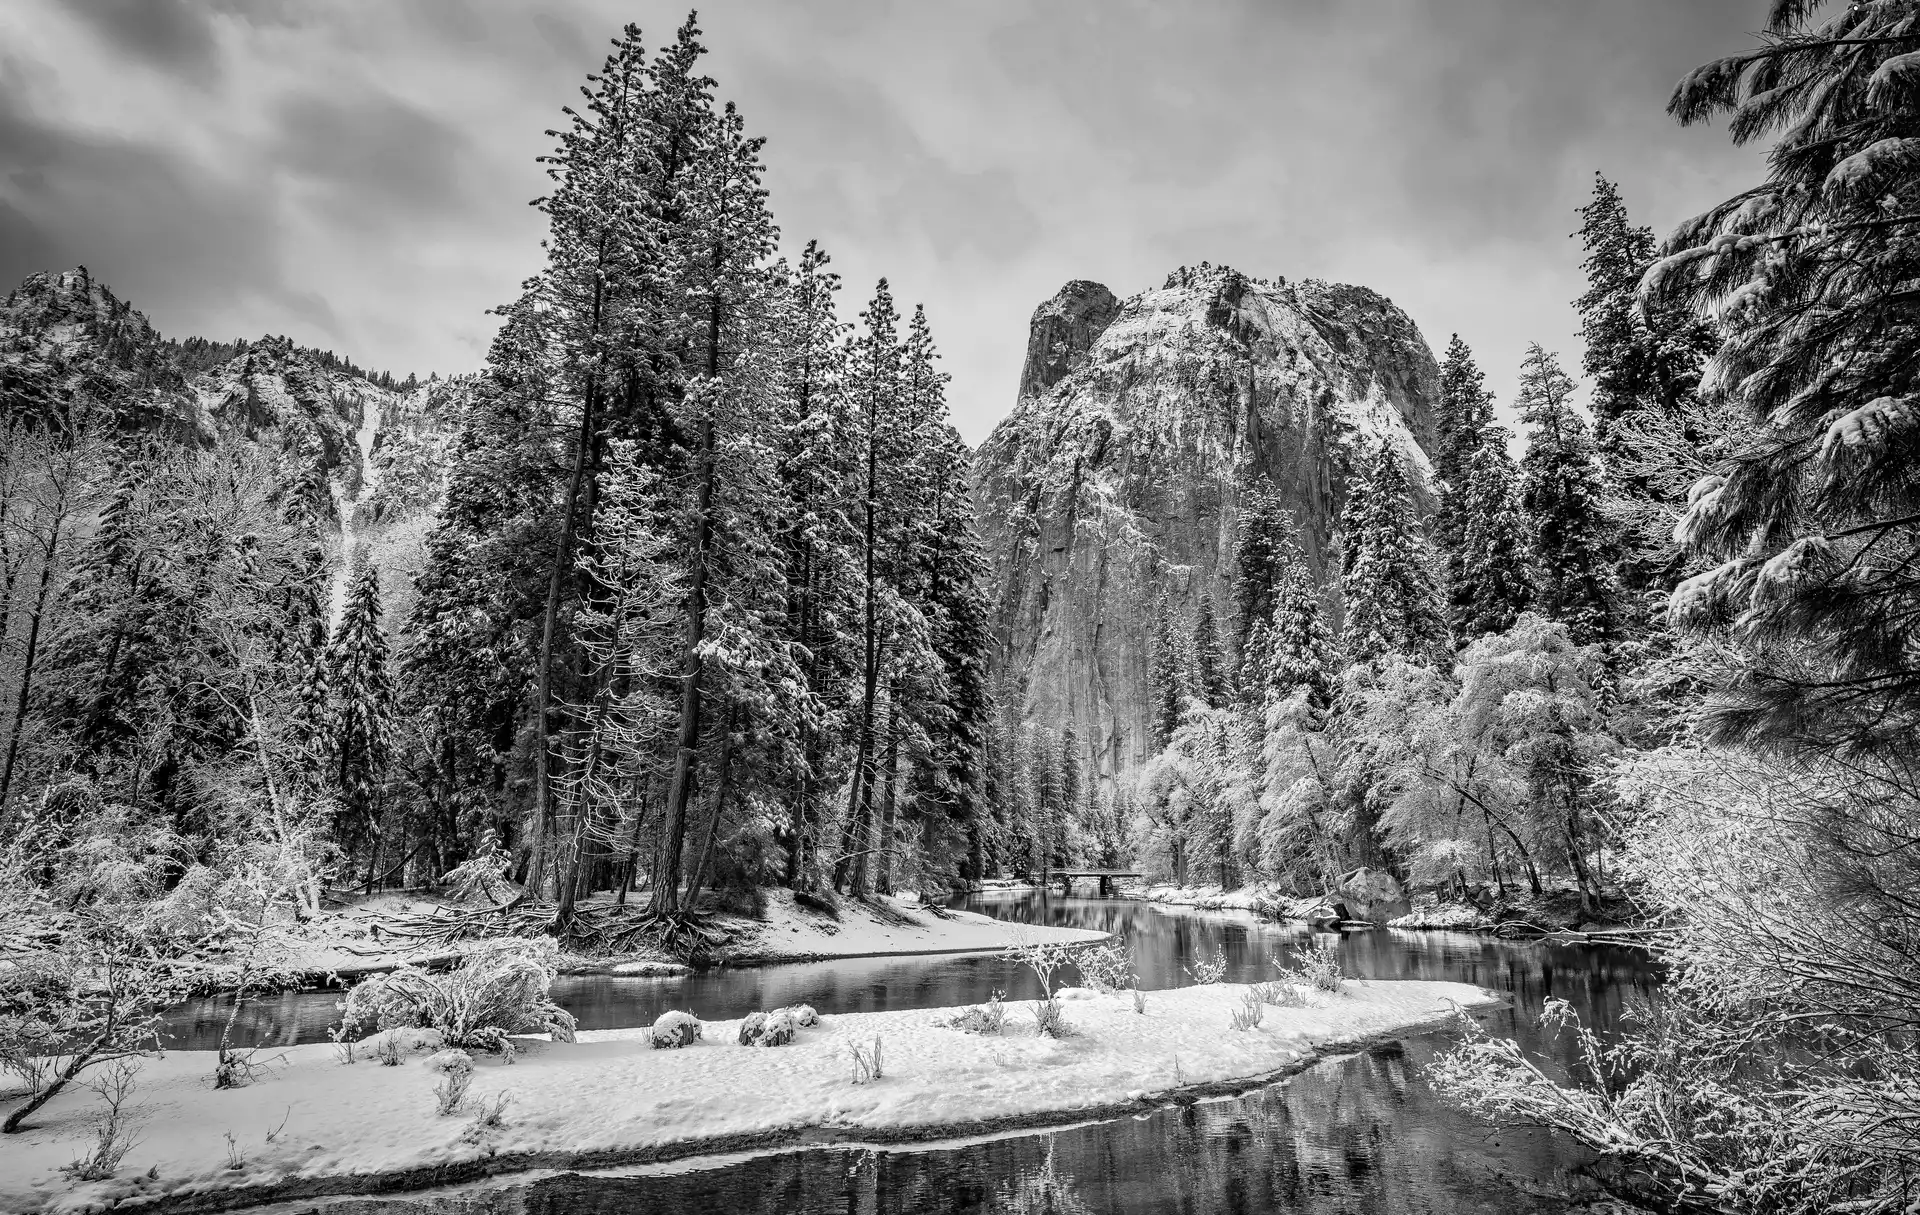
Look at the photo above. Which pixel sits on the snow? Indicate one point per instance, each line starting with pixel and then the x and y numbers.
pixel 607 1098
pixel 795 933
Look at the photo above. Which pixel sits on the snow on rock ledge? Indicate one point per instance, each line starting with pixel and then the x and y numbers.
pixel 608 1100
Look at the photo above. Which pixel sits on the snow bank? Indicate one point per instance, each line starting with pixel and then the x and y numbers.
pixel 1443 915
pixel 793 933
pixel 1259 899
pixel 607 1099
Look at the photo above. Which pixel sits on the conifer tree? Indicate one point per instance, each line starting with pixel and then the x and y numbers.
pixel 1638 357
pixel 1561 493
pixel 1302 652
pixel 1168 676
pixel 1263 534
pixel 1491 581
pixel 1386 580
pixel 1212 680
pixel 359 725
pixel 1464 413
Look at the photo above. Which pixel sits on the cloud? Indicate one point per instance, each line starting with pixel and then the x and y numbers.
pixel 356 172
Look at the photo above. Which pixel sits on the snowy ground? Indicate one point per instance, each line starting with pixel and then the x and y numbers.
pixel 317 1126
pixel 1443 915
pixel 1258 898
pixel 793 933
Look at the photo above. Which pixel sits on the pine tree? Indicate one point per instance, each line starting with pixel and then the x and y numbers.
pixel 1392 604
pixel 1465 411
pixel 1302 652
pixel 1638 357
pixel 1561 493
pixel 359 725
pixel 1492 580
pixel 1168 676
pixel 1264 532
pixel 1212 679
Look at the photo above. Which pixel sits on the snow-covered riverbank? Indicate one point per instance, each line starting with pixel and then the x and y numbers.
pixel 314 1126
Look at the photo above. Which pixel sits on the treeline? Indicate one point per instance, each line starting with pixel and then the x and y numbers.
pixel 195 355
pixel 700 609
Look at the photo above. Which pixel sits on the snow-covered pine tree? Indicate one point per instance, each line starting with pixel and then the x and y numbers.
pixel 1465 411
pixel 1169 675
pixel 1638 358
pixel 816 471
pixel 1263 533
pixel 874 384
pixel 1302 653
pixel 1212 678
pixel 359 723
pixel 1492 579
pixel 1561 493
pixel 1386 579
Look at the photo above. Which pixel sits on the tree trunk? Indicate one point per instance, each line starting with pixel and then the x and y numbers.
pixel 27 663
pixel 719 808
pixel 883 853
pixel 666 872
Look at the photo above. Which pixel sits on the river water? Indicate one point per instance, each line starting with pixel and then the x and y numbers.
pixel 1357 1134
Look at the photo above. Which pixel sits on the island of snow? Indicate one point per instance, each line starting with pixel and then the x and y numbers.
pixel 313 1125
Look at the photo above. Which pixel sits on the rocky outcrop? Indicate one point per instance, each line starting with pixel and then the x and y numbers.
pixel 1062 331
pixel 1118 477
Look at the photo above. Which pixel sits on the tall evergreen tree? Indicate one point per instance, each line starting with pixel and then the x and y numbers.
pixel 1212 678
pixel 1491 582
pixel 1464 413
pixel 1169 678
pixel 1561 493
pixel 1638 357
pixel 359 725
pixel 1387 580
pixel 1263 534
pixel 1302 652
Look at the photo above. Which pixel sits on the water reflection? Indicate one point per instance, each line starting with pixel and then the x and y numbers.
pixel 1360 1134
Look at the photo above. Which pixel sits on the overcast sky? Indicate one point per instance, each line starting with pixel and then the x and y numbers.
pixel 355 173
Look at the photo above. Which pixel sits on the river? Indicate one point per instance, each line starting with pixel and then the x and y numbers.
pixel 1356 1134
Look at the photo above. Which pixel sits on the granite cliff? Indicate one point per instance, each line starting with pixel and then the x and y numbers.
pixel 1139 426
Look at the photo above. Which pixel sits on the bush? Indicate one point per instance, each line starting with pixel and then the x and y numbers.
pixel 804 1016
pixel 988 1018
pixel 1319 969
pixel 774 1028
pixel 673 1030
pixel 1050 1018
pixel 1206 971
pixel 495 992
pixel 1280 994
pixel 456 1069
pixel 1107 967
pixel 866 1061
pixel 491 1116
pixel 1251 1011
pixel 113 1135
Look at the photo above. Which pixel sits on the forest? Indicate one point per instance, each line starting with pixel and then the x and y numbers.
pixel 697 609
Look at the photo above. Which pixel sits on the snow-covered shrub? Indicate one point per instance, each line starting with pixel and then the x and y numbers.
pixel 490 1116
pixel 1107 966
pixel 1050 1018
pixel 774 1028
pixel 387 1049
pixel 494 992
pixel 988 1018
pixel 804 1016
pixel 1280 994
pixel 1251 1010
pixel 1319 969
pixel 113 1130
pixel 1139 1001
pixel 672 1030
pixel 1206 971
pixel 456 1071
pixel 866 1061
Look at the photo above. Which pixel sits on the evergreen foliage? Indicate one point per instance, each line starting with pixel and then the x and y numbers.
pixel 1491 578
pixel 1387 580
pixel 1561 492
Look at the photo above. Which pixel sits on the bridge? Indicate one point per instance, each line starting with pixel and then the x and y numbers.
pixel 1067 877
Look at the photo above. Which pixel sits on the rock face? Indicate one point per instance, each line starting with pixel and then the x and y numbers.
pixel 1118 476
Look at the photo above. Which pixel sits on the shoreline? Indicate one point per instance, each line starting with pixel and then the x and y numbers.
pixel 608 1102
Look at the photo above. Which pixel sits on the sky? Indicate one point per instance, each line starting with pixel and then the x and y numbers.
pixel 356 173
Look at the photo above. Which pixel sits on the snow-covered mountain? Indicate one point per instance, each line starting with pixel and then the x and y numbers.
pixel 1140 424
pixel 66 338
